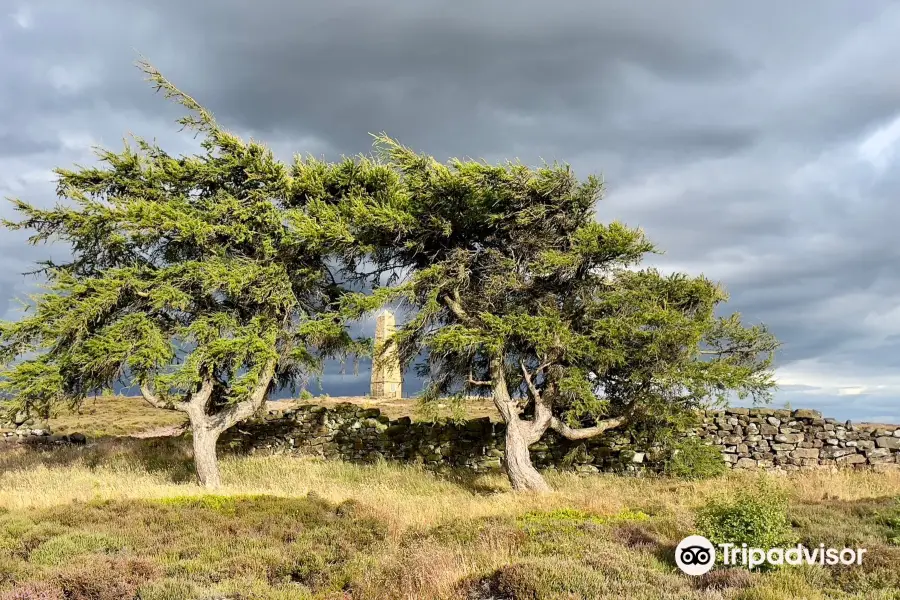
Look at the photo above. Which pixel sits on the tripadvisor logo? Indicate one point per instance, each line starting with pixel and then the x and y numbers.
pixel 696 555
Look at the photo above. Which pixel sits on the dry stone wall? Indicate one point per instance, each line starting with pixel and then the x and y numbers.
pixel 26 429
pixel 756 438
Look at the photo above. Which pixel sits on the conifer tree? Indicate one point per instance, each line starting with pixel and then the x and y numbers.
pixel 520 293
pixel 206 281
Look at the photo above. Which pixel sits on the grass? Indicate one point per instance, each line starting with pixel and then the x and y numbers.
pixel 471 408
pixel 123 519
pixel 111 416
pixel 114 416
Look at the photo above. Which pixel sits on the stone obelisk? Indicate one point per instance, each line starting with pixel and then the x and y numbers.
pixel 387 380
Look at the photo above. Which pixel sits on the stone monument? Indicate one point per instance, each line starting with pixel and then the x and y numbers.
pixel 387 380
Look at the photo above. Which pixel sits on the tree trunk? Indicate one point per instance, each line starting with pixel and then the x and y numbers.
pixel 517 460
pixel 205 460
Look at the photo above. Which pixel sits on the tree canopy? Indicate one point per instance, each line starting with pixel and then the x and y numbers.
pixel 206 280
pixel 209 280
pixel 521 293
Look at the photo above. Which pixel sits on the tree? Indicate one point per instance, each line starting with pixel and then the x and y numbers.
pixel 205 280
pixel 521 294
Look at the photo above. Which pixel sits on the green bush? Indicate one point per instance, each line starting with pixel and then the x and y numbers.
pixel 692 459
pixel 756 517
pixel 891 520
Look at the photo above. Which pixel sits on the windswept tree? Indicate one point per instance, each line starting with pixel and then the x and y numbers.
pixel 206 281
pixel 518 292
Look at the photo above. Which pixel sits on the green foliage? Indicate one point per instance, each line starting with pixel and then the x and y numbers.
pixel 63 549
pixel 755 516
pixel 187 271
pixel 890 519
pixel 692 459
pixel 506 267
pixel 216 503
pixel 567 518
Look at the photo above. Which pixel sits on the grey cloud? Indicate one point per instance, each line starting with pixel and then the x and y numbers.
pixel 729 131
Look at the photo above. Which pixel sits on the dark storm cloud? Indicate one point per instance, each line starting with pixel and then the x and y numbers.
pixel 754 142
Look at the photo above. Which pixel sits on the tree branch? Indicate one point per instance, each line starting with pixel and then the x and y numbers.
pixel 543 412
pixel 584 432
pixel 535 394
pixel 479 382
pixel 245 409
pixel 154 400
pixel 200 399
pixel 456 308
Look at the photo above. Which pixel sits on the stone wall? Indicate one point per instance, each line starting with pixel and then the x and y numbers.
pixel 757 438
pixel 26 429
pixel 768 439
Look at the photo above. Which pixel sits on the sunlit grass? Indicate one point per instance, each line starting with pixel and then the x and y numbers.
pixel 286 527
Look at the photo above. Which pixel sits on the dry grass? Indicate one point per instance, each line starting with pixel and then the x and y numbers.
pixel 304 528
pixel 471 408
pixel 113 416
pixel 123 518
pixel 110 416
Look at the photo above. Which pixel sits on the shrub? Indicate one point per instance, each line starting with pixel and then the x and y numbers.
pixel 572 517
pixel 692 459
pixel 64 548
pixel 33 591
pixel 891 521
pixel 108 579
pixel 757 517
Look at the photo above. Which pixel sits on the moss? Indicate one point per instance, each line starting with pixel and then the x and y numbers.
pixel 62 549
pixel 216 503
pixel 574 516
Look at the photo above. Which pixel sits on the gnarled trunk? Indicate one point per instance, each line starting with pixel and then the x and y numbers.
pixel 205 460
pixel 520 434
pixel 207 428
pixel 517 460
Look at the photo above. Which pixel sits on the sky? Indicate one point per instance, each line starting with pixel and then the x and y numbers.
pixel 756 143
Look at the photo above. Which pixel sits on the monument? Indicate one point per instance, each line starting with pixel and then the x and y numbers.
pixel 387 380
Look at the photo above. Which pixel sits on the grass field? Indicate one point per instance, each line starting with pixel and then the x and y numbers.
pixel 124 416
pixel 113 416
pixel 123 519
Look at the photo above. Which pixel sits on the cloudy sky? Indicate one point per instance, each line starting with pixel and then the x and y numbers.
pixel 756 143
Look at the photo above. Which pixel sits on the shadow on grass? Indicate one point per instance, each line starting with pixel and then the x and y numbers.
pixel 472 482
pixel 172 457
pixel 168 456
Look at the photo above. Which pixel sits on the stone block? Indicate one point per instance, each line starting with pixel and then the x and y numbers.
pixel 805 453
pixel 888 442
pixel 761 412
pixel 851 459
pixel 805 413
pixel 835 452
